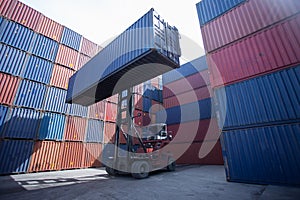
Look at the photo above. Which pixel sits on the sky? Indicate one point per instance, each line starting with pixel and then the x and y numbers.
pixel 100 21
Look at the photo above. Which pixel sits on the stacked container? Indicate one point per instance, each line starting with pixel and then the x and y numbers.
pixel 188 112
pixel 253 56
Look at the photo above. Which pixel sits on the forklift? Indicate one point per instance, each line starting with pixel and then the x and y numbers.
pixel 142 152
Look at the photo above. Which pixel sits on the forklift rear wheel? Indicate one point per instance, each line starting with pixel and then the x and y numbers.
pixel 140 169
pixel 111 171
pixel 171 165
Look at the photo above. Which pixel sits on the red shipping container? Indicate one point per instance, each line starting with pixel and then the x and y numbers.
pixel 92 155
pixel 109 132
pixel 245 19
pixel 138 121
pixel 8 87
pixel 46 156
pixel 25 15
pixel 113 99
pixel 50 28
pixel 71 156
pixel 111 112
pixel 97 110
pixel 6 7
pixel 266 51
pixel 138 101
pixel 82 60
pixel 88 47
pixel 75 128
pixel 60 76
pixel 67 57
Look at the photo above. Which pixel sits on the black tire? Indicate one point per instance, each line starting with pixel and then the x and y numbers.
pixel 171 165
pixel 111 171
pixel 140 169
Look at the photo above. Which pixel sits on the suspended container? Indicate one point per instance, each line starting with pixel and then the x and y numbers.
pixel 60 76
pixel 52 126
pixel 8 87
pixel 94 131
pixel 50 28
pixel 71 39
pixel 45 47
pixel 75 128
pixel 149 40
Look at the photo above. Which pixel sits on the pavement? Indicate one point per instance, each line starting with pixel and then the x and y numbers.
pixel 187 182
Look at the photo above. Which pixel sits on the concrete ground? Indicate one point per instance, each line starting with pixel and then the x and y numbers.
pixel 187 182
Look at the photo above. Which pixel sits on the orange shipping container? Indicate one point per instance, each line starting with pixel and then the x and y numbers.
pixel 97 110
pixel 60 76
pixel 92 155
pixel 71 156
pixel 109 132
pixel 50 28
pixel 111 112
pixel 8 88
pixel 75 128
pixel 45 156
pixel 67 57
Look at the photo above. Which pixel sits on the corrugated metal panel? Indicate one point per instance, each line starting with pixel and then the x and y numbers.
pixel 109 132
pixel 268 99
pixel 22 123
pixel 3 112
pixel 38 69
pixel 45 47
pixel 138 101
pixel 92 155
pixel 75 128
pixel 151 40
pixel 208 10
pixel 111 112
pixel 71 39
pixel 30 94
pixel 72 153
pixel 113 99
pixel 77 110
pixel 55 100
pixel 94 131
pixel 88 47
pixel 264 155
pixel 52 126
pixel 82 60
pixel 16 35
pixel 67 57
pixel 265 51
pixel 97 110
pixel 60 76
pixel 11 60
pixel 6 7
pixel 146 104
pixel 25 15
pixel 45 156
pixel 8 88
pixel 248 18
pixel 139 89
pixel 50 28
pixel 15 156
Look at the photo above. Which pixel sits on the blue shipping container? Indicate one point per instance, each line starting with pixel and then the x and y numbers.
pixel 3 112
pixel 71 39
pixel 52 126
pixel 45 47
pixel 55 100
pixel 185 70
pixel 77 110
pixel 211 9
pixel 12 60
pixel 22 123
pixel 264 100
pixel 148 40
pixel 38 69
pixel 16 35
pixel 147 103
pixel 94 131
pixel 264 155
pixel 30 94
pixel 15 156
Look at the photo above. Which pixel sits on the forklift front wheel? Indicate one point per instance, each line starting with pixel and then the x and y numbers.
pixel 140 169
pixel 111 171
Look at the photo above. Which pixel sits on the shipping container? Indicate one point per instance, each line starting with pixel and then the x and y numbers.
pixel 109 132
pixel 94 131
pixel 97 110
pixel 208 10
pixel 77 110
pixel 266 100
pixel 82 60
pixel 30 94
pixel 8 88
pixel 72 153
pixel 185 70
pixel 60 76
pixel 3 112
pixel 12 60
pixel 45 156
pixel 67 57
pixel 16 35
pixel 111 112
pixel 25 15
pixel 88 47
pixel 138 89
pixel 75 128
pixel 71 39
pixel 15 156
pixel 263 155
pixel 55 100
pixel 248 18
pixel 45 47
pixel 21 123
pixel 263 52
pixel 92 155
pixel 113 99
pixel 148 40
pixel 138 101
pixel 6 7
pixel 52 126
pixel 50 28
pixel 38 69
